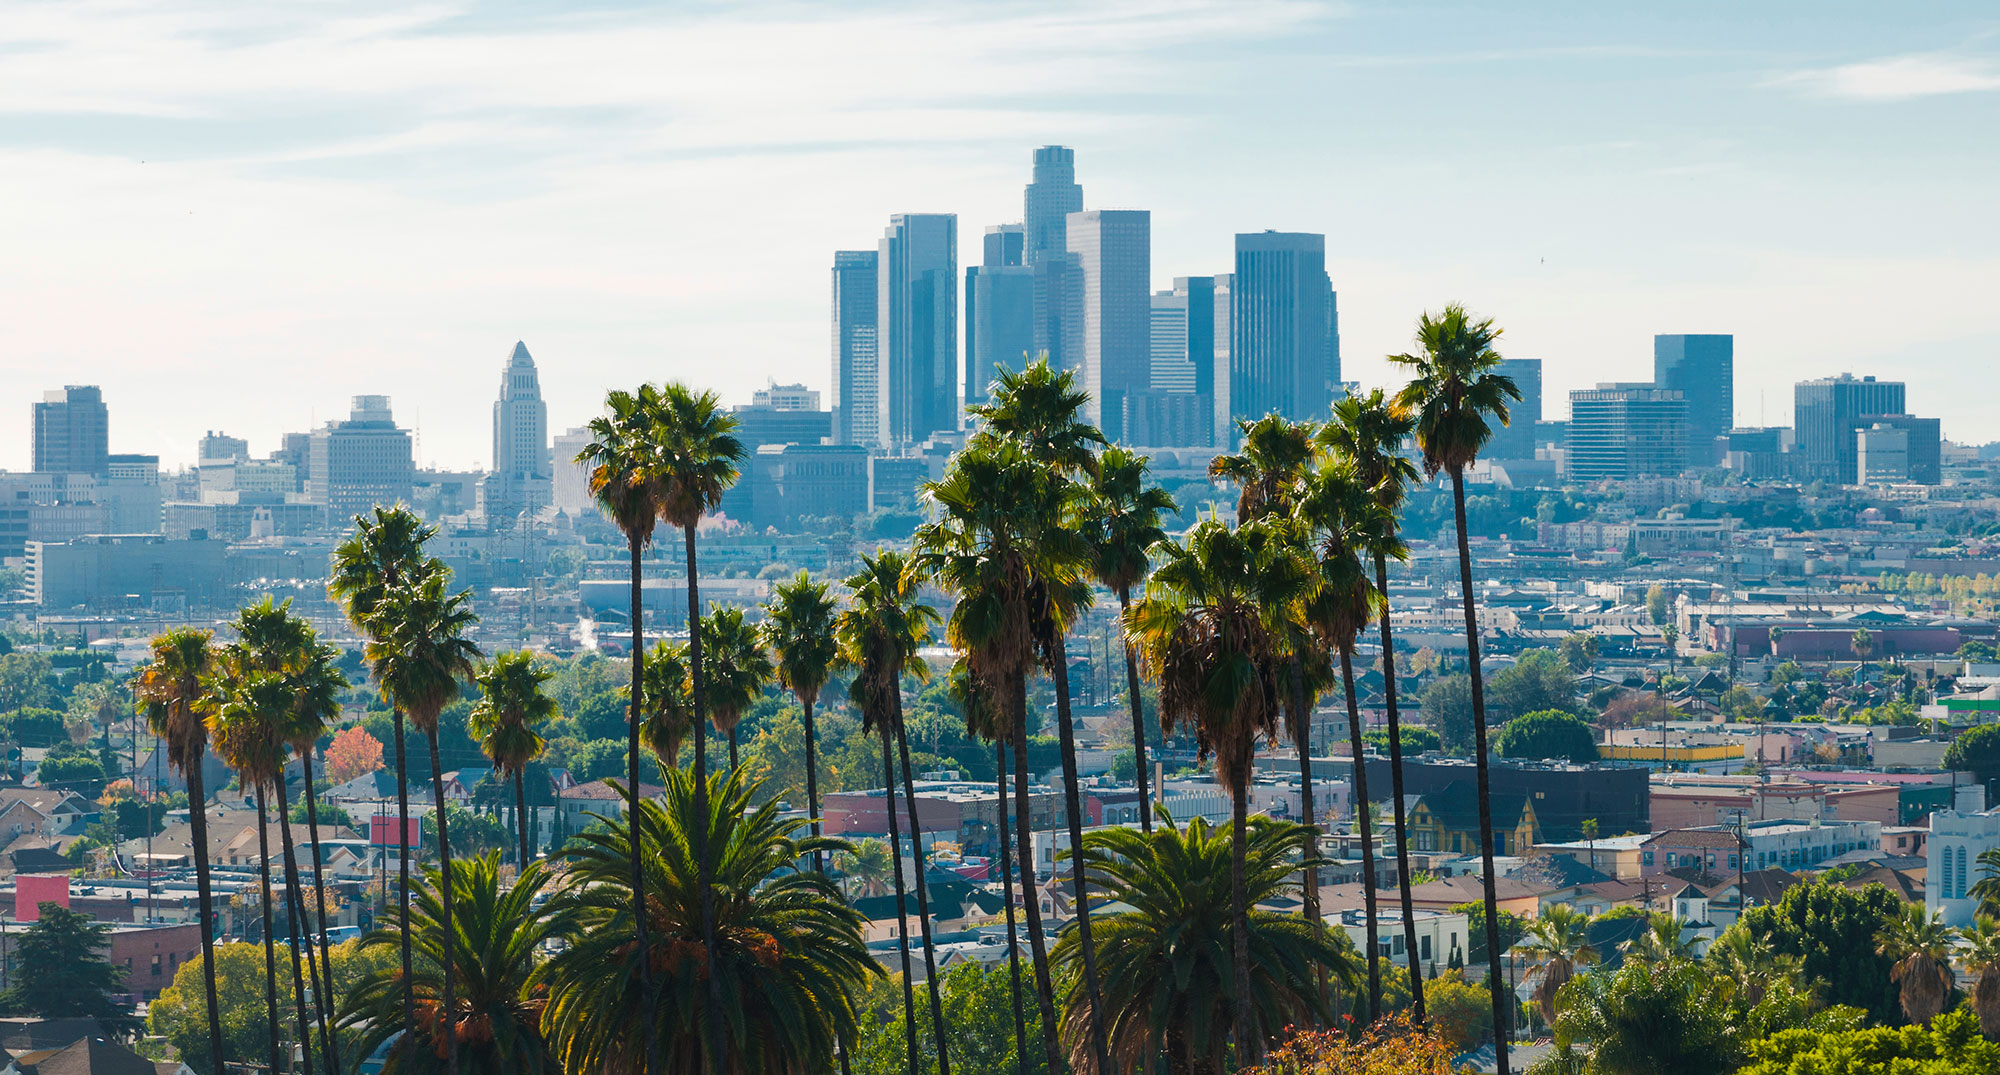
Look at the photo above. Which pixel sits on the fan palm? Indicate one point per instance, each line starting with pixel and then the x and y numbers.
pixel 1750 964
pixel 1269 468
pixel 1040 410
pixel 798 626
pixel 1987 889
pixel 382 554
pixel 1558 940
pixel 1209 628
pixel 173 690
pixel 420 661
pixel 511 706
pixel 984 545
pixel 790 958
pixel 623 463
pixel 867 864
pixel 668 713
pixel 879 637
pixel 990 721
pixel 497 1004
pixel 736 668
pixel 1921 944
pixel 1982 961
pixel 1125 524
pixel 1170 984
pixel 697 462
pixel 1661 942
pixel 1453 396
pixel 1367 435
pixel 1336 509
pixel 244 725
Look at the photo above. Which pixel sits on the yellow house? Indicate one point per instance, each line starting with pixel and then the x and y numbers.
pixel 1672 755
pixel 1448 821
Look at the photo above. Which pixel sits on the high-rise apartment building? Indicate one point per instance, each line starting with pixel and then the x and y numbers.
pixel 1047 203
pixel 570 489
pixel 72 431
pixel 916 315
pixel 522 469
pixel 1619 431
pixel 221 448
pixel 1826 413
pixel 1279 326
pixel 361 462
pixel 856 354
pixel 999 311
pixel 1516 439
pixel 1702 368
pixel 1114 257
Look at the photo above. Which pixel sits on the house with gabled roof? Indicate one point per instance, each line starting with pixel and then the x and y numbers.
pixel 1447 821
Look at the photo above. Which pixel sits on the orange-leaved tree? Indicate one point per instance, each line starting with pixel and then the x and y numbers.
pixel 353 753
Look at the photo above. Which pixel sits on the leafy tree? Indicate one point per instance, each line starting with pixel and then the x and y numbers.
pixel 1579 651
pixel 1447 710
pixel 1398 1045
pixel 36 726
pixel 1649 1019
pixel 1832 931
pixel 1539 680
pixel 472 833
pixel 60 971
pixel 1977 752
pixel 73 766
pixel 1634 708
pixel 1416 738
pixel 1512 928
pixel 179 1015
pixel 1950 1045
pixel 979 1016
pixel 598 759
pixel 1550 733
pixel 353 753
pixel 1657 605
pixel 324 813
pixel 1462 1011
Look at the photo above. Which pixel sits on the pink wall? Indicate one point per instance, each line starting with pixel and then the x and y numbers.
pixel 33 890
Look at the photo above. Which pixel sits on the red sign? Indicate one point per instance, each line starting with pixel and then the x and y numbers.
pixel 382 831
pixel 31 891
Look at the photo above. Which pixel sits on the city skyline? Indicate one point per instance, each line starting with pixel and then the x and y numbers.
pixel 332 239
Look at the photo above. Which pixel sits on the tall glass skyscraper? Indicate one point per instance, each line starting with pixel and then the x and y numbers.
pixel 916 317
pixel 1114 257
pixel 856 364
pixel 1279 329
pixel 999 311
pixel 1828 411
pixel 73 432
pixel 1702 368
pixel 1626 431
pixel 1049 200
pixel 1516 439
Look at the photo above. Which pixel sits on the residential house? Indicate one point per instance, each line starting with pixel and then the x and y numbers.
pixel 1448 820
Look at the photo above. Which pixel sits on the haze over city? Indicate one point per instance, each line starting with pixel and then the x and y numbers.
pixel 239 219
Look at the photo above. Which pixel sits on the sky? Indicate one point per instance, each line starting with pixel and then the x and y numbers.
pixel 234 217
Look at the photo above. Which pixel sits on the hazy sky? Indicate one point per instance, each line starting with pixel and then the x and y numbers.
pixel 235 216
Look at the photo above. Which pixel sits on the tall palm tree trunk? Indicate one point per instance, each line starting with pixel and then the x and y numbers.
pixel 521 814
pixel 327 1004
pixel 1302 738
pixel 712 1010
pixel 403 852
pixel 205 894
pixel 812 780
pixel 632 789
pixel 270 945
pixel 1364 825
pixel 1497 987
pixel 732 746
pixel 902 919
pixel 446 1011
pixel 1074 810
pixel 1007 895
pixel 295 908
pixel 923 890
pixel 1396 790
pixel 1030 902
pixel 1248 1049
pixel 1138 715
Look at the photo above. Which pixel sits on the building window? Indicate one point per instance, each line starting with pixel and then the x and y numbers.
pixel 1424 947
pixel 1645 858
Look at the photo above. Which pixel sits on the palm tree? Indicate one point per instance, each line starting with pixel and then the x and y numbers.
pixel 1661 942
pixel 1750 964
pixel 1170 981
pixel 381 556
pixel 798 626
pixel 1987 889
pixel 1982 961
pixel 697 456
pixel 989 721
pixel 1558 939
pixel 1921 944
pixel 1125 524
pixel 173 688
pixel 1207 630
pixel 1368 435
pixel 1453 396
pixel 510 707
pixel 986 545
pixel 496 1015
pixel 244 725
pixel 1337 510
pixel 273 640
pixel 879 638
pixel 867 863
pixel 1276 455
pixel 667 714
pixel 420 661
pixel 624 467
pixel 791 959
pixel 1040 410
pixel 736 667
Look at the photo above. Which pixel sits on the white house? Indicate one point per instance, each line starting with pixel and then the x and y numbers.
pixel 1952 860
pixel 1441 935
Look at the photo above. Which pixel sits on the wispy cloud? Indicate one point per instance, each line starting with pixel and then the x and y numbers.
pixel 1897 78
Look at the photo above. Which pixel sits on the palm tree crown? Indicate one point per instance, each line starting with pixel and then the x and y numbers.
pixel 697 453
pixel 799 629
pixel 1921 944
pixel 1275 456
pixel 1455 389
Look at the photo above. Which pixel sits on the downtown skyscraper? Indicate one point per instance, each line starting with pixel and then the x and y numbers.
pixel 999 310
pixel 856 352
pixel 1281 330
pixel 916 317
pixel 1702 368
pixel 73 432
pixel 522 469
pixel 1112 252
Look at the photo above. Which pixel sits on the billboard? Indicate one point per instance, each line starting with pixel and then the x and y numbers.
pixel 382 832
